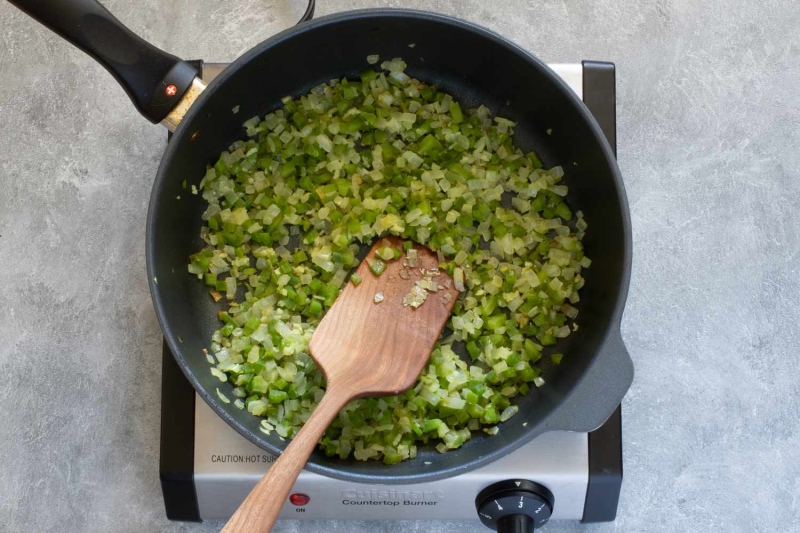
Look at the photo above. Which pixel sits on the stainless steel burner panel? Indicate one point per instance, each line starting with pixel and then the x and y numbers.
pixel 227 467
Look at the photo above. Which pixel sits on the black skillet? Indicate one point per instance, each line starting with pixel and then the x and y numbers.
pixel 476 66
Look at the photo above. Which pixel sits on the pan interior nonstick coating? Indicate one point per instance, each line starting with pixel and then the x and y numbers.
pixel 476 67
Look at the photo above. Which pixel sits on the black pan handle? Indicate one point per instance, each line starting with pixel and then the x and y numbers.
pixel 154 80
pixel 600 390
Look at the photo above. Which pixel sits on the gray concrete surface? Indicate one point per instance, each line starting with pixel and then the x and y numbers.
pixel 709 137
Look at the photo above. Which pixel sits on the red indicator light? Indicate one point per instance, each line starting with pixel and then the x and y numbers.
pixel 171 90
pixel 299 499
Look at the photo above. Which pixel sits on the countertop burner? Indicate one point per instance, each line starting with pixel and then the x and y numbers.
pixel 207 468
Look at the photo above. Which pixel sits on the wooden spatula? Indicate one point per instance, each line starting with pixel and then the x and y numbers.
pixel 366 345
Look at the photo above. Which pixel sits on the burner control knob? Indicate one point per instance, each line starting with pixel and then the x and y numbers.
pixel 515 506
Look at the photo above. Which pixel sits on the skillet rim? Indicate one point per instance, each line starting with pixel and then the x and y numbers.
pixel 610 340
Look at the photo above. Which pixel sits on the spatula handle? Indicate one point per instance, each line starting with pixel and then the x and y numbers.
pixel 260 509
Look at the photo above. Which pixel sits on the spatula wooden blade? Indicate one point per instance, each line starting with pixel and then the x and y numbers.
pixel 380 348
